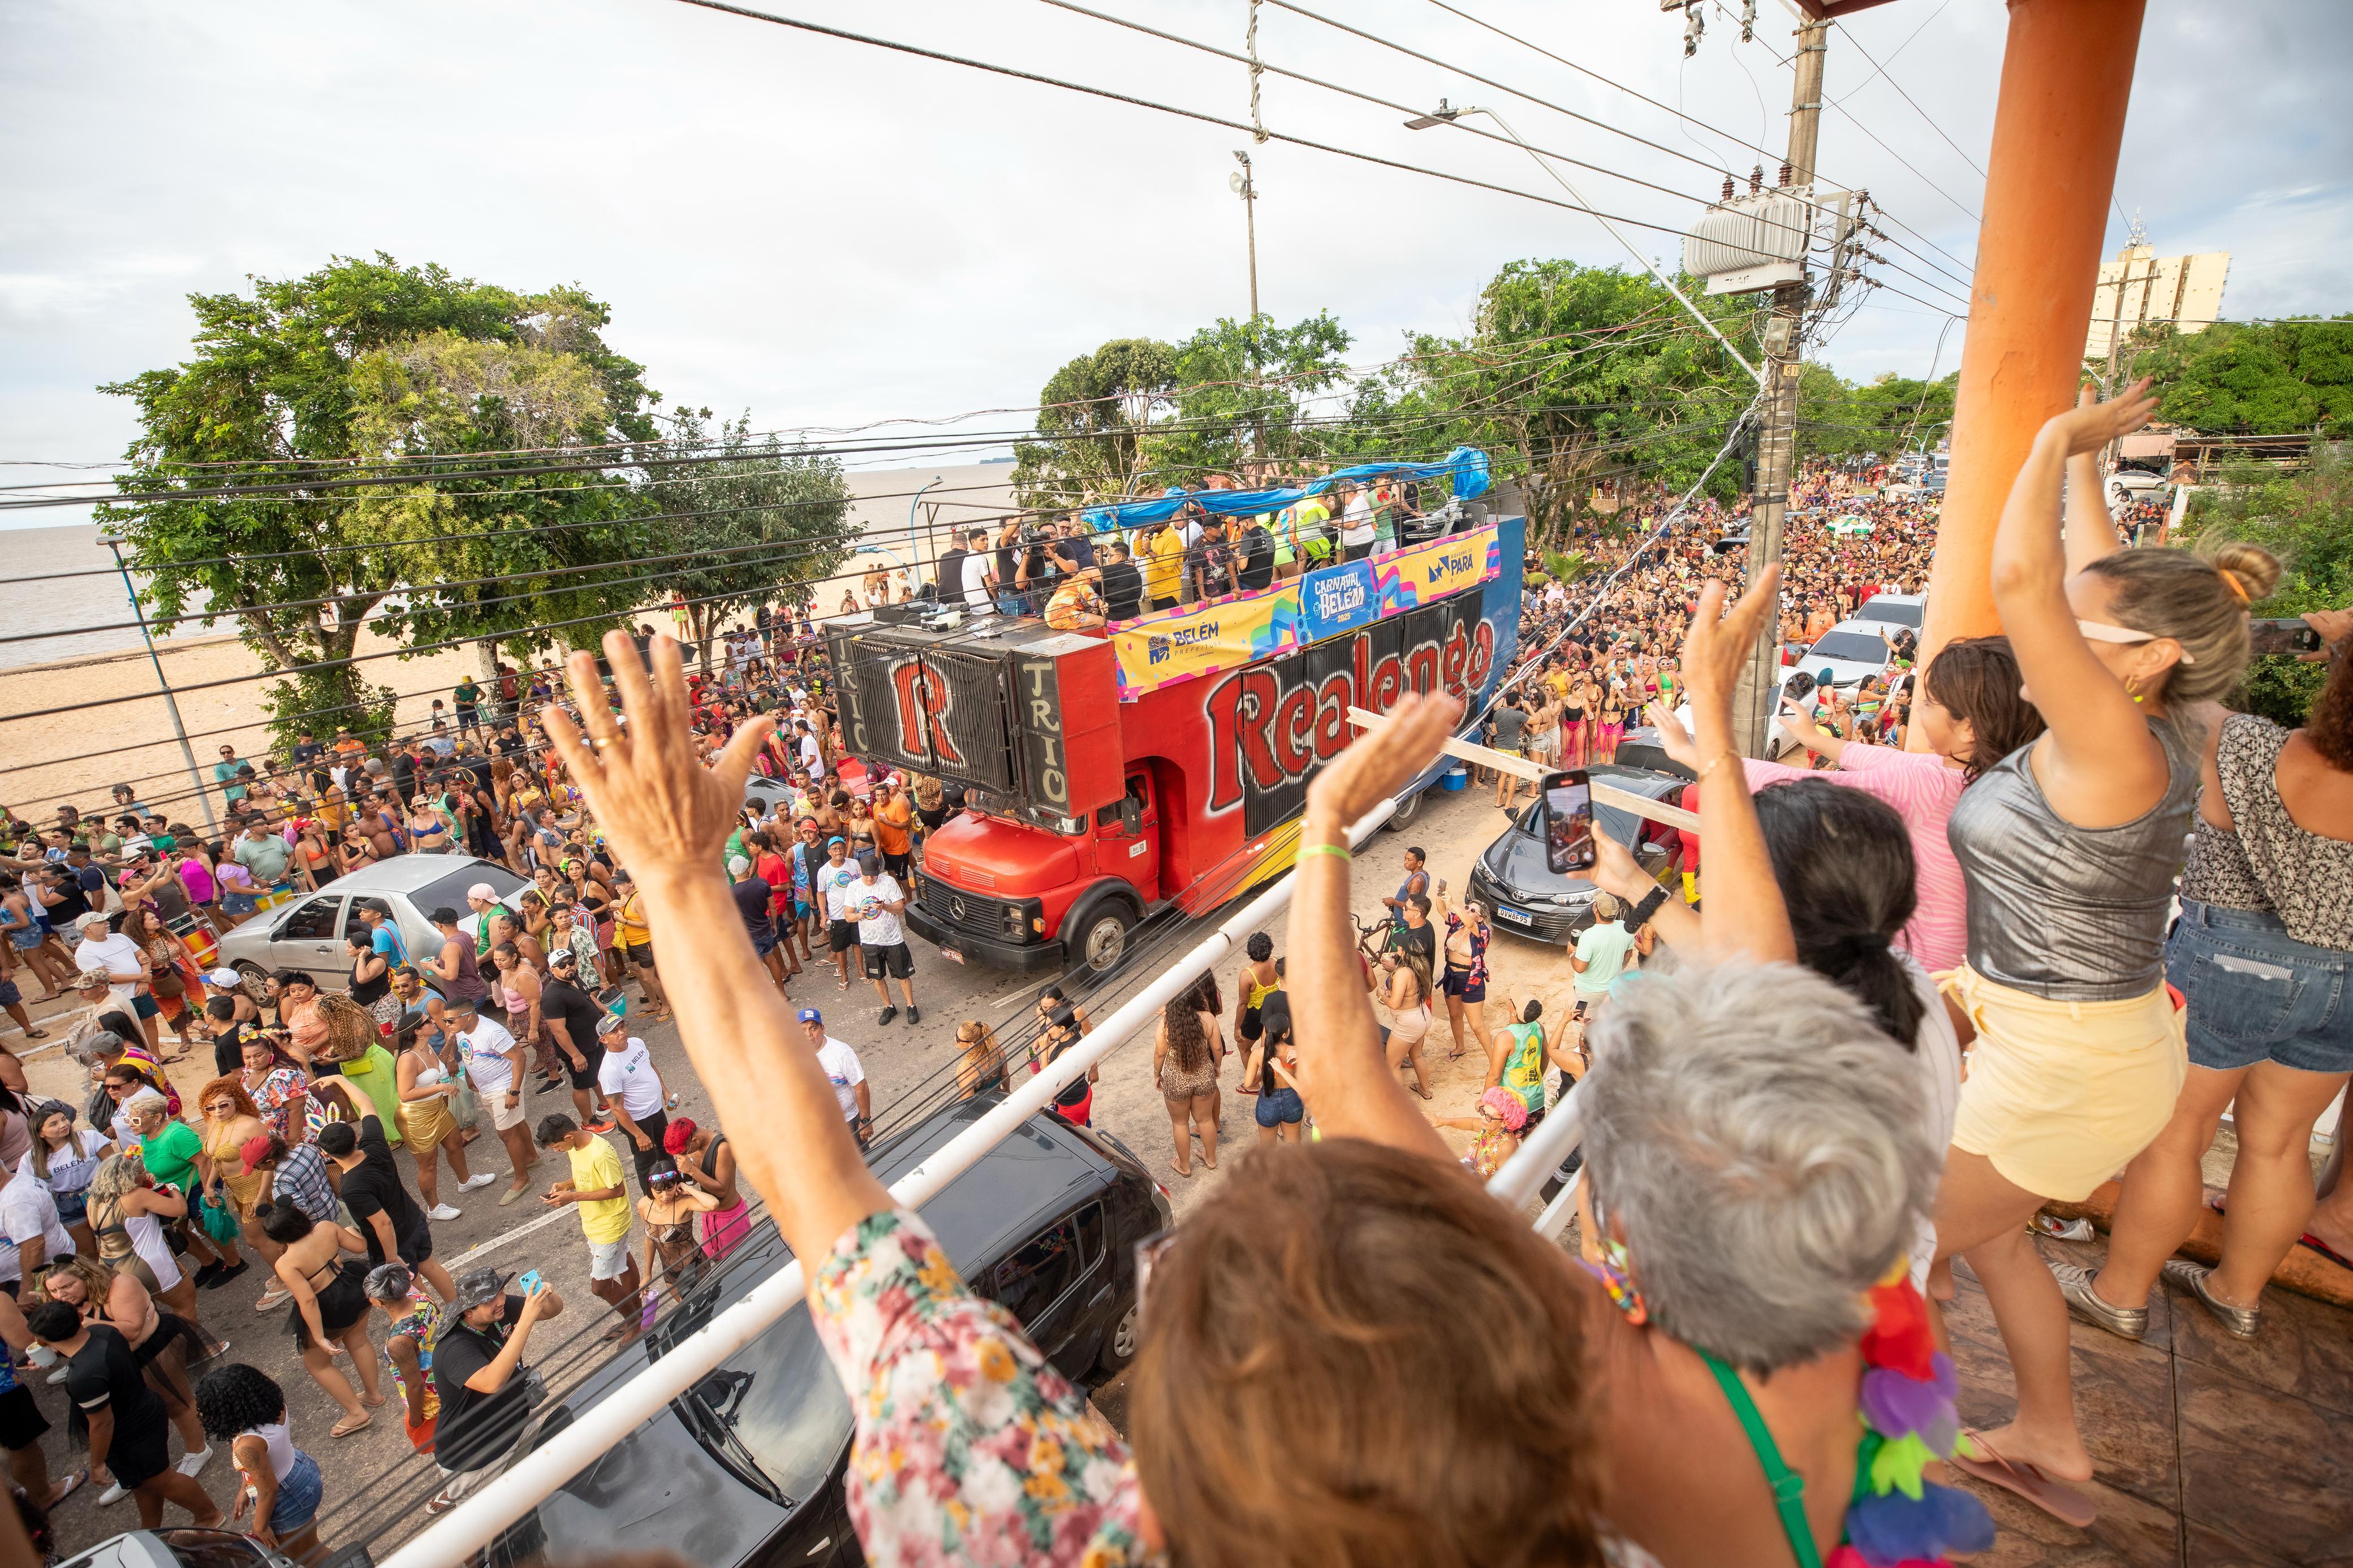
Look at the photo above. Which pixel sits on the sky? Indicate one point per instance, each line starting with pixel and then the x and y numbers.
pixel 825 233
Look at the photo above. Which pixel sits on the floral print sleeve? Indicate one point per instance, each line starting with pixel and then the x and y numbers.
pixel 970 1447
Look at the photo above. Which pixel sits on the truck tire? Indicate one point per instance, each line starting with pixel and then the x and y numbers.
pixel 1098 940
pixel 1407 808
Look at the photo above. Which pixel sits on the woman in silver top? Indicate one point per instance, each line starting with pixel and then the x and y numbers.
pixel 2264 953
pixel 2068 850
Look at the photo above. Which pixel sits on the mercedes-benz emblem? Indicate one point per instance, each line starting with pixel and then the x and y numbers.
pixel 956 908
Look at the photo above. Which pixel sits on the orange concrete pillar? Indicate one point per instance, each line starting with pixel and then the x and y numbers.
pixel 2066 74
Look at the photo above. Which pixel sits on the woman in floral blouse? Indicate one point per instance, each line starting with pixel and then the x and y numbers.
pixel 1357 1269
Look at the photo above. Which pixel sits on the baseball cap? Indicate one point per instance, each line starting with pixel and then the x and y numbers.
pixel 484 892
pixel 831 842
pixel 563 957
pixel 226 979
pixel 481 1286
pixel 870 863
pixel 253 1150
pixel 610 1022
pixel 811 1015
pixel 91 919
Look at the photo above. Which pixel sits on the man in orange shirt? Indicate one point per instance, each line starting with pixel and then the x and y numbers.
pixel 894 816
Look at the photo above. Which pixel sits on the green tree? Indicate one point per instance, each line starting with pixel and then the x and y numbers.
pixel 1096 412
pixel 328 377
pixel 1240 388
pixel 766 520
pixel 2250 378
pixel 2304 518
pixel 1891 415
pixel 1573 371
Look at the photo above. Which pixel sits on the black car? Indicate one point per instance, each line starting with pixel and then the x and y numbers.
pixel 1524 896
pixel 747 1466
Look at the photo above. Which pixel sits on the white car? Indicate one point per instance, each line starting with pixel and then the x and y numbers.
pixel 1906 611
pixel 1849 651
pixel 2126 486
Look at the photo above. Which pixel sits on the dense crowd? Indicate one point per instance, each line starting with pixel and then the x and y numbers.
pixel 1919 994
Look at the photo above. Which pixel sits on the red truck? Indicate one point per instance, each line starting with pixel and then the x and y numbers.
pixel 1161 764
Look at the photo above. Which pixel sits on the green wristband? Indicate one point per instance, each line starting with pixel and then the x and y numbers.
pixel 1338 850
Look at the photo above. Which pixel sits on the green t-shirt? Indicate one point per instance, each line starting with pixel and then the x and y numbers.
pixel 1524 1070
pixel 1603 948
pixel 170 1156
pixel 373 1075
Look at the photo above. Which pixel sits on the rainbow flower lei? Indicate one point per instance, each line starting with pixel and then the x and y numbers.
pixel 1899 1518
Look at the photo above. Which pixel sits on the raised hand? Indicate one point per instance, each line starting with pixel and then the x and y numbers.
pixel 1716 644
pixel 661 807
pixel 2090 426
pixel 1384 757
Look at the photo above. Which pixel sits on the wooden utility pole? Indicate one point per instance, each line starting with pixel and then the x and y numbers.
pixel 1758 697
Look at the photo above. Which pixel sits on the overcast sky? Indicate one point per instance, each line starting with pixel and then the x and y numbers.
pixel 825 234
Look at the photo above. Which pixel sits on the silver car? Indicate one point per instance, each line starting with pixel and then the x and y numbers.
pixel 308 933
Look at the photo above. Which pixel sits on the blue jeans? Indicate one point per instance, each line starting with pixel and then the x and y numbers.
pixel 2256 993
pixel 1283 1105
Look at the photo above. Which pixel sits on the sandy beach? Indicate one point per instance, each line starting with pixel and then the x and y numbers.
pixel 76 756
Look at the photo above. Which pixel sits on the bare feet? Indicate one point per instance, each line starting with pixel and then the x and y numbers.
pixel 1180 1170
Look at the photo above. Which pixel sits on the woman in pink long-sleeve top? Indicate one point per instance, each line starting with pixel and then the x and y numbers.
pixel 1970 712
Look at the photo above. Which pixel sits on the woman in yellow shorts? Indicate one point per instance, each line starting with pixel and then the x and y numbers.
pixel 2069 847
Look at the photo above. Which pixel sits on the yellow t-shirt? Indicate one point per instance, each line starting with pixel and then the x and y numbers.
pixel 1164 562
pixel 595 1167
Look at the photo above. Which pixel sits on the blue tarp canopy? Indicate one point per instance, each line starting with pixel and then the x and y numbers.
pixel 1466 466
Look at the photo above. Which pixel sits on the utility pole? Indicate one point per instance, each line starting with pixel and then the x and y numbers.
pixel 188 752
pixel 1758 695
pixel 1246 188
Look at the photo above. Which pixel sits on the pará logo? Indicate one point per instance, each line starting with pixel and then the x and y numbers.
pixel 1155 650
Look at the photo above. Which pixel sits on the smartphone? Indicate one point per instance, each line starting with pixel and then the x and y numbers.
pixel 1569 822
pixel 529 1282
pixel 1799 686
pixel 2288 635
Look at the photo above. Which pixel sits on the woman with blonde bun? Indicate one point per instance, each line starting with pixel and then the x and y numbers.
pixel 2069 847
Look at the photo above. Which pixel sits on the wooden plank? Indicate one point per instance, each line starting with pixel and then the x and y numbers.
pixel 1520 767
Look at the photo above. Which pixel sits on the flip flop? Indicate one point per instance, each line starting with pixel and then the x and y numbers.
pixel 72 1484
pixel 2307 1239
pixel 36 1033
pixel 347 1426
pixel 2059 1500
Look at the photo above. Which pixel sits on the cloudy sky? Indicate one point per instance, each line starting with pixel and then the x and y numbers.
pixel 825 234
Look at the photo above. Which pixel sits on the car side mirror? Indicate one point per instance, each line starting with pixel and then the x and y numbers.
pixel 1131 817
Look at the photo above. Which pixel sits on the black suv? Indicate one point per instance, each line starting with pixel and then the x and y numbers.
pixel 747 1468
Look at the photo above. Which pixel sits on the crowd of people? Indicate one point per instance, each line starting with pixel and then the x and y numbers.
pixel 1919 994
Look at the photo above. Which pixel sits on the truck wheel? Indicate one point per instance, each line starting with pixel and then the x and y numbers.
pixel 1407 810
pixel 1102 938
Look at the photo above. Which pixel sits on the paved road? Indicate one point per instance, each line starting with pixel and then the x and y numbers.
pixel 373 1480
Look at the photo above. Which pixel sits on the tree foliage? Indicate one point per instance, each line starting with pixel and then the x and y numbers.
pixel 1240 396
pixel 765 519
pixel 1096 410
pixel 2240 378
pixel 332 377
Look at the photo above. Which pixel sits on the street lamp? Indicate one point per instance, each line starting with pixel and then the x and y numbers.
pixel 1445 114
pixel 1246 188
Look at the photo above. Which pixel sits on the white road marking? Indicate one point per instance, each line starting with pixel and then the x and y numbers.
pixel 485 1248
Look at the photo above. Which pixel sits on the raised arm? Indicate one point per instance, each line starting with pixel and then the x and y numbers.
pixel 1341 1073
pixel 1743 912
pixel 2098 764
pixel 2091 532
pixel 669 817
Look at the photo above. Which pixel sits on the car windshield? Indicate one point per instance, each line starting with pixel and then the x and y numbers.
pixel 1892 611
pixel 781 1400
pixel 450 893
pixel 1855 647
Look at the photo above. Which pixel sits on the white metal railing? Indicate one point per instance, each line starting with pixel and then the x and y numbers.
pixel 478 1521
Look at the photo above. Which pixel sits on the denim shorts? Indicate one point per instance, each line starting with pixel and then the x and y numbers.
pixel 1283 1105
pixel 2258 995
pixel 299 1496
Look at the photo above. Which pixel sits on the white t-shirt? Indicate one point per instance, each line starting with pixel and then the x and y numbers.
pixel 976 581
pixel 1937 1056
pixel 841 1070
pixel 877 927
pixel 835 882
pixel 114 953
pixel 487 1043
pixel 26 1210
pixel 811 759
pixel 1356 522
pixel 628 1074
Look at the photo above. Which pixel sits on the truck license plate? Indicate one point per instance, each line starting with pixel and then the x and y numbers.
pixel 1517 917
pixel 952 952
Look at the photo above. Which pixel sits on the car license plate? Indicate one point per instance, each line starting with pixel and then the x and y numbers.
pixel 1517 917
pixel 952 952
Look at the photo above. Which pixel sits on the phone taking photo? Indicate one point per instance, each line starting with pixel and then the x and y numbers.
pixel 1569 821
pixel 2290 636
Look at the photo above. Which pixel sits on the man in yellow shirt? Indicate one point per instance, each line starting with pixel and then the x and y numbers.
pixel 1164 565
pixel 597 1186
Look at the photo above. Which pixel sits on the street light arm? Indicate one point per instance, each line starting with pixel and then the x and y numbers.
pixel 1455 117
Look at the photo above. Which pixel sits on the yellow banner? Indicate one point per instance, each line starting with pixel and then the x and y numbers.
pixel 1425 573
pixel 1173 646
